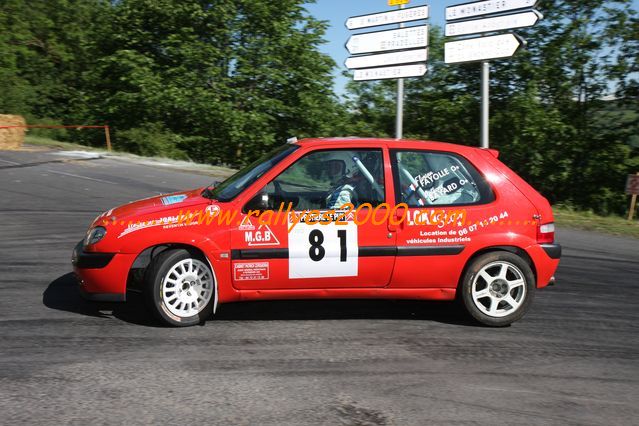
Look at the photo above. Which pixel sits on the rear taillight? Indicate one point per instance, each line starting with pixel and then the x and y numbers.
pixel 546 233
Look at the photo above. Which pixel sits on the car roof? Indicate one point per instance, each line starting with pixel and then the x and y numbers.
pixel 391 143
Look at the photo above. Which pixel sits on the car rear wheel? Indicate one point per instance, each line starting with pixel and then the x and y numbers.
pixel 498 288
pixel 180 288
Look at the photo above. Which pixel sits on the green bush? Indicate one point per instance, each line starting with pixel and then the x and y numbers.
pixel 152 139
pixel 57 134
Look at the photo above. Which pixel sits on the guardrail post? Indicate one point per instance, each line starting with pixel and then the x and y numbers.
pixel 633 205
pixel 108 137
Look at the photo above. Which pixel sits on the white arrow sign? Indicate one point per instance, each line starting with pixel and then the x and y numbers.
pixel 404 38
pixel 387 18
pixel 402 71
pixel 498 23
pixel 479 8
pixel 482 48
pixel 383 59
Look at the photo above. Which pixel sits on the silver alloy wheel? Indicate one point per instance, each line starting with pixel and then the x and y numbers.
pixel 499 289
pixel 187 288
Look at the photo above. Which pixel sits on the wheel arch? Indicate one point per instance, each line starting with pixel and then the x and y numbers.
pixel 135 278
pixel 511 249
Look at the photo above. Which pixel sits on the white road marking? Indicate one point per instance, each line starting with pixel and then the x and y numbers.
pixel 9 162
pixel 81 177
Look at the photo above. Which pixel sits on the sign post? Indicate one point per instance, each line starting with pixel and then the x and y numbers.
pixel 399 116
pixel 486 7
pixel 498 23
pixel 387 18
pixel 386 59
pixel 485 103
pixel 389 40
pixel 487 47
pixel 482 48
pixel 385 73
pixel 405 47
pixel 632 187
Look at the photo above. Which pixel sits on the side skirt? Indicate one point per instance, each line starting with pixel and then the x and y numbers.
pixel 351 293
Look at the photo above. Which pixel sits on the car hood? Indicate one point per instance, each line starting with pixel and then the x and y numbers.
pixel 183 200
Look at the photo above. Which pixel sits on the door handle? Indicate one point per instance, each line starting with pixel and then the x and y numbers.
pixel 397 219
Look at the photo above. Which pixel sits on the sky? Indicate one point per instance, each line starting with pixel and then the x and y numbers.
pixel 337 11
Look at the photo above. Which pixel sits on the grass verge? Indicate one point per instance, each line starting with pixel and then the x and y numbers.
pixel 615 225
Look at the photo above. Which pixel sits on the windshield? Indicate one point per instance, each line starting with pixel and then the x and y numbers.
pixel 235 184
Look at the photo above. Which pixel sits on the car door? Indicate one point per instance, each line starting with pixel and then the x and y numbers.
pixel 444 194
pixel 301 240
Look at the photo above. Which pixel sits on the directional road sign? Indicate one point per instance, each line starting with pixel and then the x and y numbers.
pixel 387 18
pixel 498 23
pixel 632 184
pixel 397 2
pixel 384 59
pixel 482 48
pixel 380 41
pixel 478 8
pixel 401 71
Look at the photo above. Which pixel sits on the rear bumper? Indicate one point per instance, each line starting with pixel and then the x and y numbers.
pixel 545 258
pixel 101 276
pixel 552 250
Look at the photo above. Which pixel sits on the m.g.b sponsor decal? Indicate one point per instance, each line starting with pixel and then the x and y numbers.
pixel 262 236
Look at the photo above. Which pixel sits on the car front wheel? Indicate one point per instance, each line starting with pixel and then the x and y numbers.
pixel 498 288
pixel 180 288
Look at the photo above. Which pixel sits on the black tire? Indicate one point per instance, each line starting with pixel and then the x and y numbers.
pixel 523 298
pixel 153 294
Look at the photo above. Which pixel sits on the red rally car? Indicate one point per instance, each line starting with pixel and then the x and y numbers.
pixel 332 218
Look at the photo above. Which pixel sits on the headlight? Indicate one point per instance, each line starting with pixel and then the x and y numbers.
pixel 95 235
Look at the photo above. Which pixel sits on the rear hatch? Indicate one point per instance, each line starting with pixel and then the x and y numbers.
pixel 539 202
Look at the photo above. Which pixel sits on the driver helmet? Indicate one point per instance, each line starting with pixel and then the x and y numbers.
pixel 336 164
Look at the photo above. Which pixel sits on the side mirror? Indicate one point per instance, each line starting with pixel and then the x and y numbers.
pixel 258 203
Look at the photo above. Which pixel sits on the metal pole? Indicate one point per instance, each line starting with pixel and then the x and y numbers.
pixel 485 83
pixel 399 117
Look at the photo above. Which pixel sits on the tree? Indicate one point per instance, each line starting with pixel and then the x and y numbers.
pixel 564 80
pixel 552 117
pixel 43 52
pixel 228 78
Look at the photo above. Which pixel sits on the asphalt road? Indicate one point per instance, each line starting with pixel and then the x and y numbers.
pixel 573 359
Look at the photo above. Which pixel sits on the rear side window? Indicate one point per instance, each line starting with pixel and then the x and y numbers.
pixel 426 178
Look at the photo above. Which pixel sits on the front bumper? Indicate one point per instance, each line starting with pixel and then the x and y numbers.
pixel 88 260
pixel 101 276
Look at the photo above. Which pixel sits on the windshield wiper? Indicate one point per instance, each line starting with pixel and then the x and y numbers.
pixel 208 191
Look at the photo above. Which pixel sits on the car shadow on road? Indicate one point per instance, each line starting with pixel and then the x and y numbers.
pixel 345 309
pixel 63 294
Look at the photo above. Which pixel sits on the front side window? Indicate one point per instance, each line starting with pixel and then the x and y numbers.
pixel 426 178
pixel 328 179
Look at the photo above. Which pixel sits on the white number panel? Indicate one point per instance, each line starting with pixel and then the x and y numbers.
pixel 318 251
